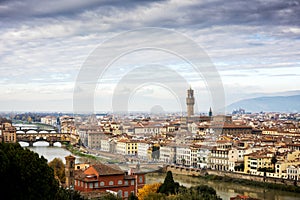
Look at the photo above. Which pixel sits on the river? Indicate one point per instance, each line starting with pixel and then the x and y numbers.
pixel 43 149
pixel 224 190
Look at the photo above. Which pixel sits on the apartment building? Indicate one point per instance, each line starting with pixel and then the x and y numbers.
pixel 168 154
pixel 142 149
pixel 127 147
pixel 257 161
pixel 183 155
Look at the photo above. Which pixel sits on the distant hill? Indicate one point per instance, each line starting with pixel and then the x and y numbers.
pixel 268 104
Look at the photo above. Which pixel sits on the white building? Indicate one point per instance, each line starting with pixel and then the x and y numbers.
pixel 293 172
pixel 193 128
pixel 51 120
pixel 219 159
pixel 203 157
pixel 105 145
pixel 183 155
pixel 153 129
pixel 167 154
pixel 121 147
pixel 142 149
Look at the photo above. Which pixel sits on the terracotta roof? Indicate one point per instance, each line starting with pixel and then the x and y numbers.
pixel 104 170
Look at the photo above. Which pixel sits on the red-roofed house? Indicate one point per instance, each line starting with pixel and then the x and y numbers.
pixel 108 178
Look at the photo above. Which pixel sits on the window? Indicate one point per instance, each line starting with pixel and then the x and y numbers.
pixel 126 194
pixel 140 179
pixel 132 182
pixel 96 185
pixel 111 183
pixel 119 194
pixel 126 182
pixel 91 185
pixel 119 182
pixel 71 164
pixel 101 183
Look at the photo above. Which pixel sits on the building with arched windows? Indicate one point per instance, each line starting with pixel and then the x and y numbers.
pixel 108 178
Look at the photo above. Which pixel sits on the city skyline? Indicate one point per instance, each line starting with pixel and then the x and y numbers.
pixel 253 45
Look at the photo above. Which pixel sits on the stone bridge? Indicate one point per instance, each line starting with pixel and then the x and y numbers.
pixel 51 136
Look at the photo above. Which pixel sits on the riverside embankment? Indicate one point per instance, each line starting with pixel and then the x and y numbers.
pixel 235 175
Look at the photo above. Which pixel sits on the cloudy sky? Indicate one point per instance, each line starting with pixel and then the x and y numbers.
pixel 254 46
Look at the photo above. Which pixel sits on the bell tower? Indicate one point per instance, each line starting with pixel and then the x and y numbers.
pixel 210 112
pixel 190 101
pixel 69 171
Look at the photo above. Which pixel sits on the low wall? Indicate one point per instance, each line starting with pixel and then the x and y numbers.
pixel 202 172
pixel 185 170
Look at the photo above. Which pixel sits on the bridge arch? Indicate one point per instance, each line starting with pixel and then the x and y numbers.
pixel 43 131
pixel 31 132
pixel 20 132
pixel 33 136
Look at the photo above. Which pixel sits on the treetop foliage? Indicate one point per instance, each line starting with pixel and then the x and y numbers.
pixel 169 186
pixel 25 175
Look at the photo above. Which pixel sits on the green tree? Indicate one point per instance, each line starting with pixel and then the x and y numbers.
pixel 274 161
pixel 132 197
pixel 108 196
pixel 64 194
pixel 24 175
pixel 201 192
pixel 183 161
pixel 169 186
pixel 156 196
pixel 59 169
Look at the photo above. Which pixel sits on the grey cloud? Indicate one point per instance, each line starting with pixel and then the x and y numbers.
pixel 175 14
pixel 66 8
pixel 246 12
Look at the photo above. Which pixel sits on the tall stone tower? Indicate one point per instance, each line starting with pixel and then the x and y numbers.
pixel 190 101
pixel 69 171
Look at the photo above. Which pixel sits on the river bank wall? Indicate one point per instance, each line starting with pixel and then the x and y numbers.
pixel 234 175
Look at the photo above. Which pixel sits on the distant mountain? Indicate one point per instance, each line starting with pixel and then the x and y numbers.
pixel 268 104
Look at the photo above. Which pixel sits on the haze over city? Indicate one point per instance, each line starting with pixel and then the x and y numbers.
pixel 254 46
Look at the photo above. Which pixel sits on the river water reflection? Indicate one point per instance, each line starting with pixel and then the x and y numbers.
pixel 224 190
pixel 43 149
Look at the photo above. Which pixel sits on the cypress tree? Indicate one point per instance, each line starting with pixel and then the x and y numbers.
pixel 169 186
